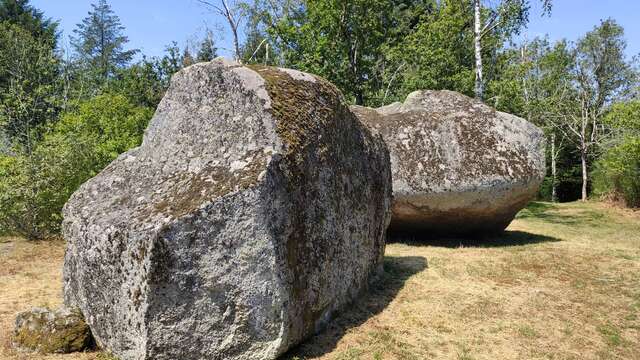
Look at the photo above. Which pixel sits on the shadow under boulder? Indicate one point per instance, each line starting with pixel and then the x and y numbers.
pixel 397 270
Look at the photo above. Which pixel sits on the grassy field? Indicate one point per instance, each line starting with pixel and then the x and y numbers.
pixel 562 283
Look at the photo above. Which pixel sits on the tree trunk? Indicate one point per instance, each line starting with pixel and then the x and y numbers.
pixel 359 97
pixel 583 158
pixel 554 170
pixel 479 88
pixel 236 43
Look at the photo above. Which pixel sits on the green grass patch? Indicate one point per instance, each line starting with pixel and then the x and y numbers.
pixel 610 334
pixel 528 332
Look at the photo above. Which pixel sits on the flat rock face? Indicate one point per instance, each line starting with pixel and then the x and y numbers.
pixel 47 331
pixel 254 209
pixel 459 166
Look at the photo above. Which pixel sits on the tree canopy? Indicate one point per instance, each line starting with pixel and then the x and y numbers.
pixel 100 41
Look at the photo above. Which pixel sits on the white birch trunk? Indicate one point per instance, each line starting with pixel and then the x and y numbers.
pixel 585 177
pixel 554 170
pixel 479 86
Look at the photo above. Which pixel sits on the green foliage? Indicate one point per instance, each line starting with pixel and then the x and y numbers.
pixel 172 62
pixel 339 40
pixel 32 20
pixel 35 185
pixel 439 54
pixel 617 174
pixel 625 116
pixel 26 201
pixel 96 133
pixel 379 51
pixel 602 70
pixel 29 83
pixel 208 50
pixel 100 41
pixel 143 83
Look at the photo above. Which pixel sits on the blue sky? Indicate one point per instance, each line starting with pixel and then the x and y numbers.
pixel 152 24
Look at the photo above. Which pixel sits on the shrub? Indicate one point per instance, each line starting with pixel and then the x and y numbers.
pixel 617 175
pixel 35 185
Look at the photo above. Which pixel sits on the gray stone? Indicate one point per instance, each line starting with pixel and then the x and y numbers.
pixel 254 209
pixel 459 166
pixel 45 331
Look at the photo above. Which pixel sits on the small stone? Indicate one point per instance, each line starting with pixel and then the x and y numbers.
pixel 46 331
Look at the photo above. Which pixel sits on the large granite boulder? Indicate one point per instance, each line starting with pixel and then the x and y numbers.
pixel 254 209
pixel 48 331
pixel 459 167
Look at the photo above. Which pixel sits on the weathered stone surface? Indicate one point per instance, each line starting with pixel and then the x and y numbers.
pixel 45 331
pixel 254 209
pixel 459 166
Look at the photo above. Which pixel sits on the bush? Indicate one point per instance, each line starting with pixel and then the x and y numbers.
pixel 26 199
pixel 35 185
pixel 617 174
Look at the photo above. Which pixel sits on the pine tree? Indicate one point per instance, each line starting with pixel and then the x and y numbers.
pixel 187 59
pixel 100 41
pixel 208 50
pixel 21 13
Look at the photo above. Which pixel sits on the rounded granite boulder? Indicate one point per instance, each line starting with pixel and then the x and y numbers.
pixel 459 166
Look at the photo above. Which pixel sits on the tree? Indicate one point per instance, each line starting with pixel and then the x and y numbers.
pixel 29 91
pixel 232 12
pixel 208 50
pixel 436 54
pixel 602 74
pixel 536 83
pixel 340 40
pixel 19 12
pixel 617 173
pixel 508 16
pixel 29 102
pixel 256 46
pixel 100 42
pixel 34 187
pixel 143 83
pixel 172 62
pixel 187 58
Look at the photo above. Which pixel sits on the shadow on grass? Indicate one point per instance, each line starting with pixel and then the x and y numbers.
pixel 504 239
pixel 397 270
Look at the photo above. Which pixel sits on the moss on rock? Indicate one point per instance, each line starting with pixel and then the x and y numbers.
pixel 47 332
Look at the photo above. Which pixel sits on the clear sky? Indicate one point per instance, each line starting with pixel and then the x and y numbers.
pixel 152 24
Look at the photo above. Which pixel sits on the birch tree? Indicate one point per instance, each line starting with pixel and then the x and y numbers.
pixel 541 76
pixel 602 75
pixel 232 11
pixel 507 16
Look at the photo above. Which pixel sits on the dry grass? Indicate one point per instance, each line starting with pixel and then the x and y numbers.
pixel 30 275
pixel 563 283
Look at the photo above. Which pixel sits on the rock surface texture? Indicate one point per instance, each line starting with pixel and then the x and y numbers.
pixel 45 331
pixel 254 209
pixel 459 167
